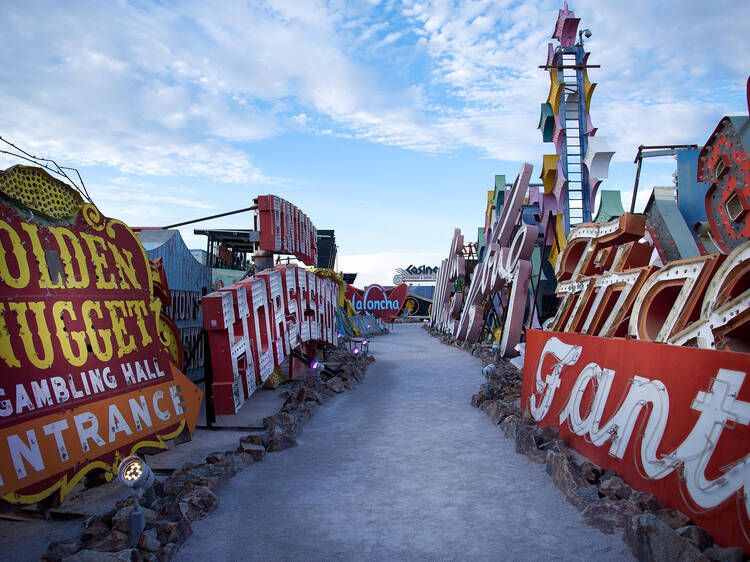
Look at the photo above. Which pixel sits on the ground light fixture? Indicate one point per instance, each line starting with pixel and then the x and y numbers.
pixel 317 365
pixel 489 370
pixel 355 350
pixel 135 473
pixel 138 476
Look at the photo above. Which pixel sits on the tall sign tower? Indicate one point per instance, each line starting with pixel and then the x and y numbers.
pixel 581 160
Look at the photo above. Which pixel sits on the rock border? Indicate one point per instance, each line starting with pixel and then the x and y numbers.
pixel 188 495
pixel 653 532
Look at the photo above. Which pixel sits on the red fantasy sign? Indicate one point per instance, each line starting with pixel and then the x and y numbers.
pixel 254 324
pixel 85 375
pixel 286 229
pixel 672 421
pixel 377 301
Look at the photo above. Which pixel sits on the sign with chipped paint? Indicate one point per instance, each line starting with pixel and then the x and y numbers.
pixel 608 289
pixel 85 375
pixel 286 229
pixel 672 421
pixel 254 324
pixel 506 268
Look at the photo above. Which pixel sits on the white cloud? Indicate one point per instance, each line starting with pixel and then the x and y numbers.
pixel 628 126
pixel 152 90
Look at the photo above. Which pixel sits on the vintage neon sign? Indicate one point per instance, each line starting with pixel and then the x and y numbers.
pixel 608 289
pixel 284 228
pixel 377 301
pixel 85 375
pixel 681 433
pixel 254 324
pixel 506 266
pixel 414 274
pixel 446 308
pixel 724 163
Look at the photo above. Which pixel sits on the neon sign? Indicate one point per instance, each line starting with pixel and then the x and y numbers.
pixel 377 301
pixel 284 228
pixel 681 433
pixel 254 324
pixel 506 267
pixel 86 377
pixel 608 289
pixel 414 274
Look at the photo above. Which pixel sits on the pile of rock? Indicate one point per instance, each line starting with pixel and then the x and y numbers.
pixel 408 320
pixel 652 532
pixel 188 494
pixel 184 497
pixel 479 349
pixel 444 338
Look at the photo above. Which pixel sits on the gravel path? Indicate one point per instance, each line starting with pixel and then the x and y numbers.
pixel 401 468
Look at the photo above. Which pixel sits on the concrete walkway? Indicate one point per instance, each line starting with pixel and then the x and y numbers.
pixel 401 468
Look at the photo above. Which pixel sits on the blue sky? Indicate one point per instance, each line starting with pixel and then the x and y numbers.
pixel 385 121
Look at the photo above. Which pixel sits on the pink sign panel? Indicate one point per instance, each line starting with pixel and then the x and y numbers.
pixel 377 301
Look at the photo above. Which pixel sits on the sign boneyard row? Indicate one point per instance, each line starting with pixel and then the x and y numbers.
pixel 254 324
pixel 506 266
pixel 673 420
pixel 642 366
pixel 85 375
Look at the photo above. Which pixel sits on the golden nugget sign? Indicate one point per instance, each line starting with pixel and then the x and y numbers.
pixel 84 374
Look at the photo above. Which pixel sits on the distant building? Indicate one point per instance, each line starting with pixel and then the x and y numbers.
pixel 188 279
pixel 327 249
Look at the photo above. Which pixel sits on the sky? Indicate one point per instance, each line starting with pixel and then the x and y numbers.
pixel 386 121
